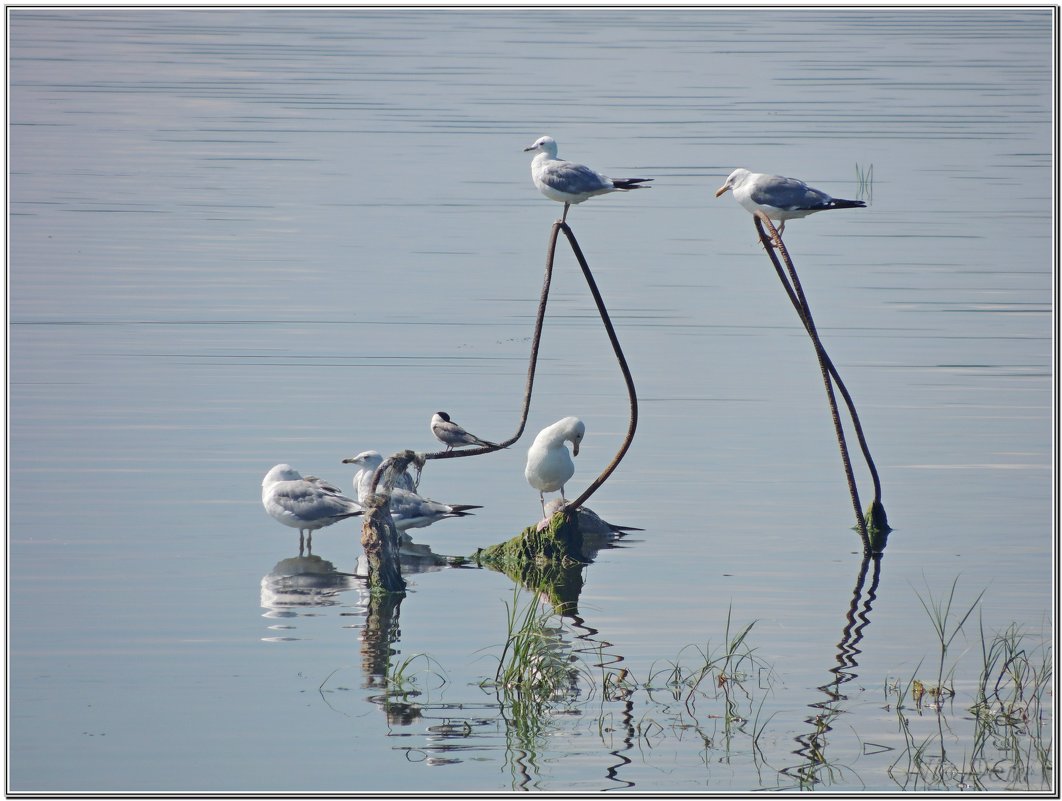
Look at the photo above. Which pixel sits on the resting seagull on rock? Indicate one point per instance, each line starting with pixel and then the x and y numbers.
pixel 452 435
pixel 568 182
pixel 549 466
pixel 304 502
pixel 589 522
pixel 780 198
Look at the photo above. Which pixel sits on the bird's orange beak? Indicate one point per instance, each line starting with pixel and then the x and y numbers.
pixel 721 189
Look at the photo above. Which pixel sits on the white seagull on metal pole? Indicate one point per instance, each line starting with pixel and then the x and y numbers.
pixel 780 198
pixel 568 182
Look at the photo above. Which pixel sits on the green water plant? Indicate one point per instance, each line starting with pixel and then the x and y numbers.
pixel 940 611
pixel 407 677
pixel 865 177
pixel 534 661
pixel 536 674
pixel 1010 746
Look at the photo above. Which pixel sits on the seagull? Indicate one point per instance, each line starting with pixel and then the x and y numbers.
pixel 368 461
pixel 452 435
pixel 567 182
pixel 589 522
pixel 548 464
pixel 408 509
pixel 780 198
pixel 304 502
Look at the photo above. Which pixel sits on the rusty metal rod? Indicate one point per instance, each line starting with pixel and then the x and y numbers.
pixel 799 301
pixel 536 339
pixel 406 458
pixel 632 395
pixel 796 296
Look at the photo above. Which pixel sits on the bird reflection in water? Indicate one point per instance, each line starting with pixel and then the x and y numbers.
pixel 304 581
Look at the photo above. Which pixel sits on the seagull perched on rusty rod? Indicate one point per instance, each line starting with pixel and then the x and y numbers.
pixel 568 182
pixel 780 198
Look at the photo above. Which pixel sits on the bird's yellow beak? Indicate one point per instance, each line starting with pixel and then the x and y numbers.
pixel 721 189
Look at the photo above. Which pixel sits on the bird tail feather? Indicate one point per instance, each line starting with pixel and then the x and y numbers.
pixel 847 204
pixel 630 183
pixel 461 509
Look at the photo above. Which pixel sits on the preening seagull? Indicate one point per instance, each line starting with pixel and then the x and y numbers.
pixel 304 502
pixel 408 509
pixel 548 464
pixel 568 182
pixel 780 198
pixel 452 435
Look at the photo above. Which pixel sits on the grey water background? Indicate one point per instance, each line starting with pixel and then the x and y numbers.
pixel 239 237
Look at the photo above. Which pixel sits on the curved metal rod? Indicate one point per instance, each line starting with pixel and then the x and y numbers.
pixel 536 339
pixel 800 302
pixel 408 458
pixel 796 295
pixel 403 459
pixel 619 357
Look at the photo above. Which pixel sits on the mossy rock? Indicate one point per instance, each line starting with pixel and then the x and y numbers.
pixel 547 561
pixel 878 528
pixel 559 541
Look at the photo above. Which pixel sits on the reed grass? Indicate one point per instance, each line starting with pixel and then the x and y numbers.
pixel 533 660
pixel 940 615
pixel 865 177
pixel 404 677
pixel 1010 745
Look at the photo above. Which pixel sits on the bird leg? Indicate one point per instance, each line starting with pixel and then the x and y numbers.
pixel 542 500
pixel 300 542
pixel 776 235
pixel 565 215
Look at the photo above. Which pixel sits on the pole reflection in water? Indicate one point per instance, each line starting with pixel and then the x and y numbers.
pixel 614 690
pixel 568 692
pixel 816 768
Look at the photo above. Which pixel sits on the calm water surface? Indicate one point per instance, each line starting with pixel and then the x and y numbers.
pixel 244 237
